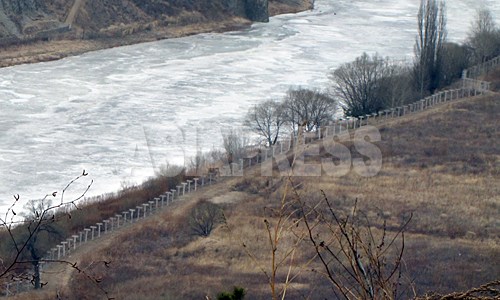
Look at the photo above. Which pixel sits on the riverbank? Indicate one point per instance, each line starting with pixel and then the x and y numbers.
pixel 42 51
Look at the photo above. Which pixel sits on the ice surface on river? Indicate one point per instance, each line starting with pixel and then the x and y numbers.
pixel 119 113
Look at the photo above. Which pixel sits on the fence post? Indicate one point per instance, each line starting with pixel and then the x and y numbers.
pixel 86 230
pixel 69 240
pixel 92 228
pixel 118 217
pixel 132 215
pixel 99 229
pixel 125 213
pixel 64 248
pixel 168 197
pixel 184 188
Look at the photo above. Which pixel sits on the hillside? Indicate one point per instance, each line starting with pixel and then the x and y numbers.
pixel 441 165
pixel 35 30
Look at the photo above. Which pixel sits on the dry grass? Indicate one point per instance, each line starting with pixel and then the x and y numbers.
pixel 441 165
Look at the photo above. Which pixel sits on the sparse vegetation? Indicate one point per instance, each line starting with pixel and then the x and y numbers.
pixel 308 109
pixel 267 119
pixel 484 37
pixel 238 293
pixel 367 85
pixel 204 217
pixel 285 239
pixel 453 226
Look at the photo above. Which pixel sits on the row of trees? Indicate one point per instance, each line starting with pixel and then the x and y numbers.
pixel 309 109
pixel 370 84
pixel 373 83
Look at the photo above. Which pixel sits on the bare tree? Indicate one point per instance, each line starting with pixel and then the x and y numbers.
pixel 267 120
pixel 204 217
pixel 308 108
pixel 361 84
pixel 29 237
pixel 39 238
pixel 283 238
pixel 357 261
pixel 484 37
pixel 235 143
pixel 429 46
pixel 396 87
pixel 197 162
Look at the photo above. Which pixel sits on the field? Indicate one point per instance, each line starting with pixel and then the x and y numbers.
pixel 441 166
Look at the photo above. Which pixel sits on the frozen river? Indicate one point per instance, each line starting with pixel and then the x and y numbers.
pixel 121 113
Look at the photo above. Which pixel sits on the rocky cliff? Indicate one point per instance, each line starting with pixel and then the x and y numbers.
pixel 24 20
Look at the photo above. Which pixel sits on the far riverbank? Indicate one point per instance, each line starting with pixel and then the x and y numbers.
pixel 42 51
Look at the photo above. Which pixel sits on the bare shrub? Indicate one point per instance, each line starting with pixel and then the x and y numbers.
pixel 235 143
pixel 358 262
pixel 309 109
pixel 204 217
pixel 483 37
pixel 267 120
pixel 366 84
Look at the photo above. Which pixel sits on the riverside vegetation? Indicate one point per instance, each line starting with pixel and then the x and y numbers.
pixel 440 169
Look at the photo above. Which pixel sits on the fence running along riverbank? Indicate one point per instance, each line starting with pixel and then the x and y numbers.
pixel 470 87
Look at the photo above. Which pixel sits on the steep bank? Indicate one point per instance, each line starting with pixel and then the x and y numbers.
pixel 48 30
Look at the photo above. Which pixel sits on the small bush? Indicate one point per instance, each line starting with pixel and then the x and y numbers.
pixel 204 217
pixel 238 293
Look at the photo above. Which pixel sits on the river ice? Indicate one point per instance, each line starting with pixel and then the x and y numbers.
pixel 121 113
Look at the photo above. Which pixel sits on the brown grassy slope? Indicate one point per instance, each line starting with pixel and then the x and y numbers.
pixel 441 165
pixel 455 202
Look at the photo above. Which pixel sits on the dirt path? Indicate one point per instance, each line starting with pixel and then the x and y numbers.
pixel 58 275
pixel 70 19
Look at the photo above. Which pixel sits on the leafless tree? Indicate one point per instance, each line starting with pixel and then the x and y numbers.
pixel 197 162
pixel 396 87
pixel 204 217
pixel 359 262
pixel 30 236
pixel 309 109
pixel 363 84
pixel 267 119
pixel 234 143
pixel 484 37
pixel 39 238
pixel 38 219
pixel 429 46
